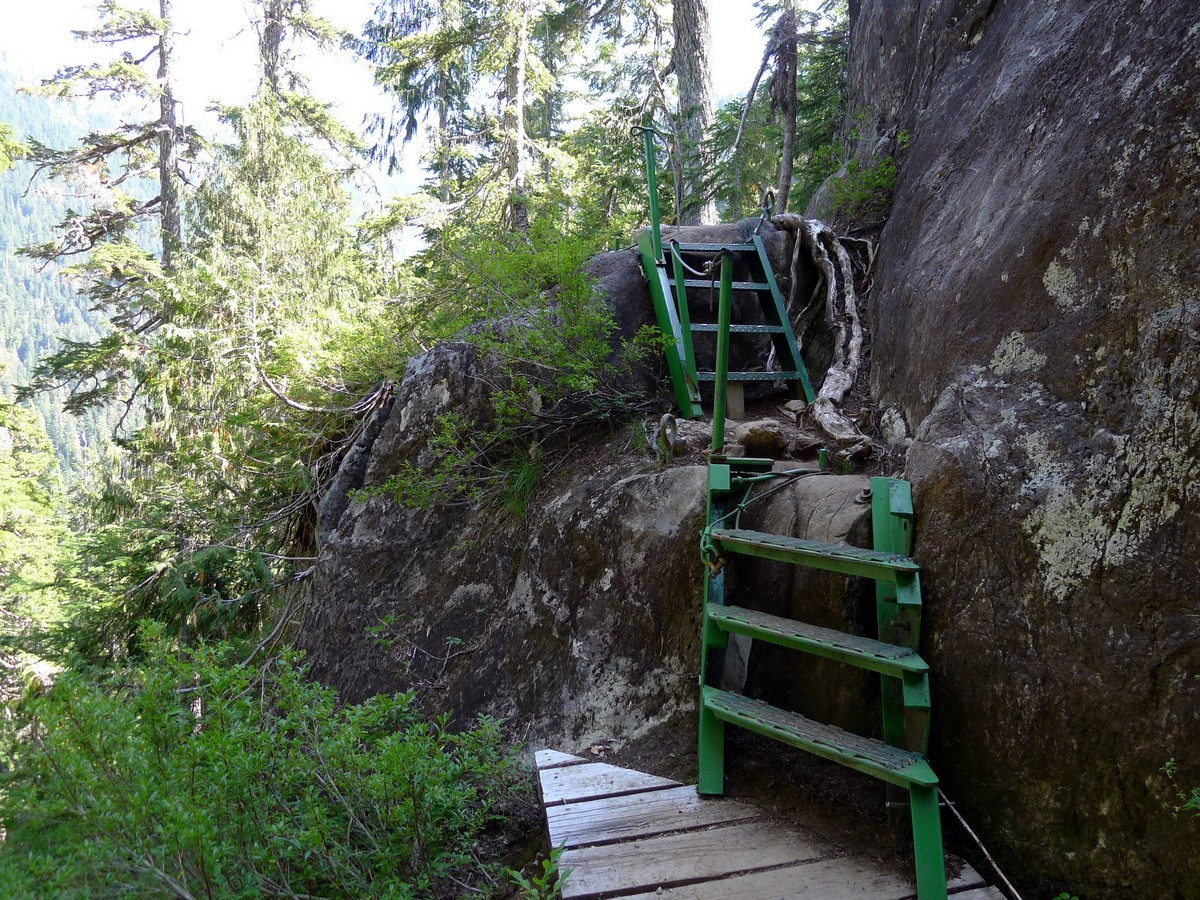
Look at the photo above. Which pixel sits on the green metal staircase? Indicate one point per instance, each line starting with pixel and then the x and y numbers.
pixel 673 269
pixel 899 759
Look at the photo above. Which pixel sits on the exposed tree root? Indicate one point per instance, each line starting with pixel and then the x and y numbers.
pixel 836 296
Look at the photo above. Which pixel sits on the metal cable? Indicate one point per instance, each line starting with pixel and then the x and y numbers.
pixel 1008 884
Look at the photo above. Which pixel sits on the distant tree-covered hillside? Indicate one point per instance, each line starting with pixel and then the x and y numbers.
pixel 39 306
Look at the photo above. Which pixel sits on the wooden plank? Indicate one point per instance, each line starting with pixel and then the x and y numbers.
pixel 550 759
pixel 844 878
pixel 829 879
pixel 640 815
pixel 676 859
pixel 967 878
pixel 592 781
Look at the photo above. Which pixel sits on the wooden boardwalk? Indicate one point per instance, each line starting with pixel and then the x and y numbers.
pixel 629 834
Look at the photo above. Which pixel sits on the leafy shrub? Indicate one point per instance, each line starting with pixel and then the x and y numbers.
pixel 1187 800
pixel 528 306
pixel 195 776
pixel 864 194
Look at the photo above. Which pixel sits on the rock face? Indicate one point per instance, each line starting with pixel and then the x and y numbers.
pixel 578 624
pixel 1036 322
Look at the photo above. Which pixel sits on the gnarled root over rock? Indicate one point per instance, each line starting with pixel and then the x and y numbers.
pixel 836 295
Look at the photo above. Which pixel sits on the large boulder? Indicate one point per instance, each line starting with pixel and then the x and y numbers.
pixel 1036 327
pixel 577 623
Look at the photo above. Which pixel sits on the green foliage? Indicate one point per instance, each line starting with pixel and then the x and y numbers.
pixel 38 304
pixel 548 882
pixel 800 104
pixel 31 530
pixel 864 195
pixel 1187 801
pixel 528 307
pixel 191 775
pixel 278 329
pixel 10 148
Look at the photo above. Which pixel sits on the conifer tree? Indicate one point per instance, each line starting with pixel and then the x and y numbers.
pixel 805 56
pixel 121 278
pixel 486 69
pixel 690 60
pixel 10 148
pixel 253 385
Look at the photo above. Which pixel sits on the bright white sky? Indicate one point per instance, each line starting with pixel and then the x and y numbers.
pixel 215 58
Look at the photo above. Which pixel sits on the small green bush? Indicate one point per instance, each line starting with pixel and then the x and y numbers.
pixel 550 345
pixel 1187 800
pixel 864 195
pixel 198 777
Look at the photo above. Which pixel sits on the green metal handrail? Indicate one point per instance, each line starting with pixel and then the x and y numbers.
pixel 720 386
pixel 648 132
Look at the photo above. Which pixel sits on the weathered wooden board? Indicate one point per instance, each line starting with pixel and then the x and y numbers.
pixel 638 835
pixel 640 815
pixel 551 759
pixel 827 879
pixel 965 879
pixel 983 893
pixel 675 859
pixel 843 878
pixel 591 781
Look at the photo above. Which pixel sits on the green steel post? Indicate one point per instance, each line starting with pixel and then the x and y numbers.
pixel 652 186
pixel 927 843
pixel 685 315
pixel 712 752
pixel 711 732
pixel 724 313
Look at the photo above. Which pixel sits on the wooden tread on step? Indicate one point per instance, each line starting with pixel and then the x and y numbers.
pixel 753 376
pixel 740 329
pixel 816 554
pixel 866 653
pixel 863 754
pixel 716 284
pixel 713 248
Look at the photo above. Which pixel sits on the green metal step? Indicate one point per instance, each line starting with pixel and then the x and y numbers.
pixel 817 554
pixel 713 248
pixel 740 329
pixel 753 376
pixel 866 653
pixel 891 764
pixel 710 283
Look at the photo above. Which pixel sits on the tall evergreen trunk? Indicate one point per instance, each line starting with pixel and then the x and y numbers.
pixel 785 101
pixel 690 58
pixel 443 137
pixel 271 42
pixel 168 145
pixel 553 99
pixel 514 125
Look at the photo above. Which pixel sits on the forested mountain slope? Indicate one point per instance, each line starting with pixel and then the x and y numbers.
pixel 38 305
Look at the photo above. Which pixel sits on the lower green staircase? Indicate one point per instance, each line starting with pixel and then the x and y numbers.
pixel 900 758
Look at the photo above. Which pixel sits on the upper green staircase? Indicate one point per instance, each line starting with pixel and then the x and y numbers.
pixel 900 757
pixel 673 269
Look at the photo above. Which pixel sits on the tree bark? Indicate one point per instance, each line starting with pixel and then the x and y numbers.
pixel 785 100
pixel 168 145
pixel 514 125
pixel 690 58
pixel 271 42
